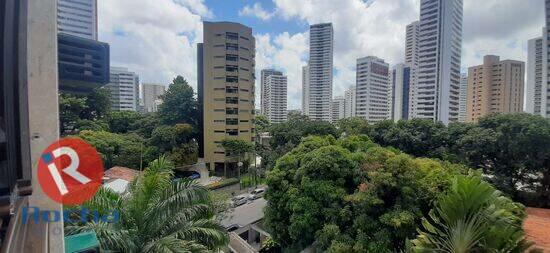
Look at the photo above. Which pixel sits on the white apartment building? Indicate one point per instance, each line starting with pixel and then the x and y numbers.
pixel 411 59
pixel 439 52
pixel 537 70
pixel 350 98
pixel 78 18
pixel 373 89
pixel 400 79
pixel 305 89
pixel 276 98
pixel 463 98
pixel 537 89
pixel 124 89
pixel 151 96
pixel 338 108
pixel 265 73
pixel 318 90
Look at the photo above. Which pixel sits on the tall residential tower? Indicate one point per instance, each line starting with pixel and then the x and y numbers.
pixel 275 98
pixel 318 88
pixel 373 89
pixel 400 79
pixel 226 65
pixel 494 87
pixel 411 59
pixel 265 73
pixel 439 52
pixel 124 89
pixel 538 69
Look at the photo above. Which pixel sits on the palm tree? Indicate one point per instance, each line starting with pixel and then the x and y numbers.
pixel 472 217
pixel 157 214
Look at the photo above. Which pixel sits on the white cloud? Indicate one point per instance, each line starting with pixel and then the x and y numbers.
pixel 257 11
pixel 287 53
pixel 156 39
pixel 377 27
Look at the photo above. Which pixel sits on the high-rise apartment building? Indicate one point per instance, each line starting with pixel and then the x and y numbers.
pixel 78 18
pixel 124 89
pixel 373 89
pixel 538 69
pixel 226 65
pixel 411 59
pixel 439 52
pixel 400 79
pixel 463 98
pixel 319 86
pixel 494 87
pixel 350 102
pixel 151 96
pixel 264 74
pixel 275 98
pixel 305 89
pixel 338 108
pixel 537 97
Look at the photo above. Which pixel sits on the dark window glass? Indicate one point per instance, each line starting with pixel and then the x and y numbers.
pixel 231 57
pixel 232 111
pixel 232 46
pixel 232 79
pixel 231 90
pixel 232 68
pixel 232 122
pixel 232 100
pixel 232 132
pixel 231 36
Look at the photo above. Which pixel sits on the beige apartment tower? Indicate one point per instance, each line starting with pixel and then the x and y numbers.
pixel 495 87
pixel 225 91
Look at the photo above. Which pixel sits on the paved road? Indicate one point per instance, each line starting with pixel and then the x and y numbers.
pixel 246 214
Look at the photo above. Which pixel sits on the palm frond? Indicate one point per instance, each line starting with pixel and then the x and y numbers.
pixel 174 245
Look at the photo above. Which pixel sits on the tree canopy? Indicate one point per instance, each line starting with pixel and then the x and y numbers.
pixel 179 104
pixel 350 193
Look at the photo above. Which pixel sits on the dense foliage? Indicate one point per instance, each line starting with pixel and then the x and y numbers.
pixel 349 195
pixel 158 215
pixel 130 139
pixel 512 149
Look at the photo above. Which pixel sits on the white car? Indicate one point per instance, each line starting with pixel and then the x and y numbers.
pixel 238 200
pixel 256 194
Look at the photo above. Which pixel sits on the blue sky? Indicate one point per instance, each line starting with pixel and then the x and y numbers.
pixel 157 38
pixel 228 10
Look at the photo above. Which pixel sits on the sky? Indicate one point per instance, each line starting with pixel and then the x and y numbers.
pixel 157 38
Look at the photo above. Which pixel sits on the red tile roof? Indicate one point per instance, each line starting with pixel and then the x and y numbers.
pixel 537 227
pixel 121 173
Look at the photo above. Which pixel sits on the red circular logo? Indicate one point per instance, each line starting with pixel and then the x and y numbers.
pixel 70 171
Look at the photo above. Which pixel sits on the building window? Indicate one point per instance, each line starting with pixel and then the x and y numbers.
pixel 232 122
pixel 231 36
pixel 232 132
pixel 232 46
pixel 231 111
pixel 232 100
pixel 232 68
pixel 231 90
pixel 232 79
pixel 231 57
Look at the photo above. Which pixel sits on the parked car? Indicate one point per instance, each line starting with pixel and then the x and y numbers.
pixel 256 194
pixel 238 200
pixel 193 175
pixel 233 227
